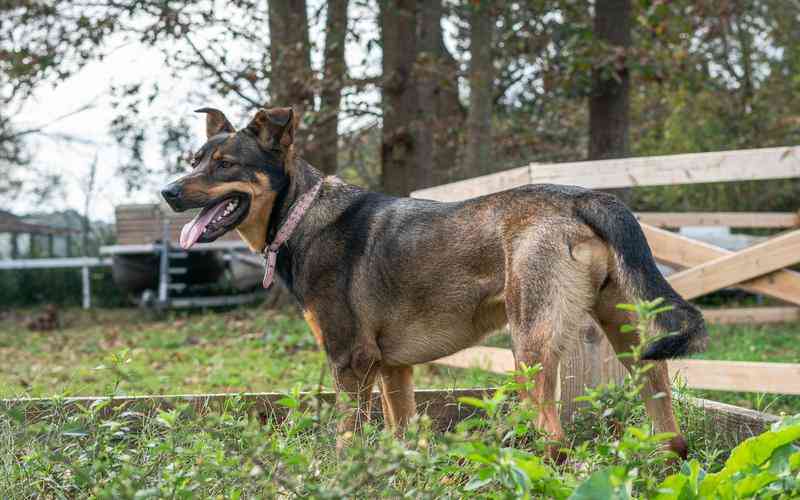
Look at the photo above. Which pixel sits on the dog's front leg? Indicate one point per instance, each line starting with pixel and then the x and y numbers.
pixel 397 396
pixel 354 377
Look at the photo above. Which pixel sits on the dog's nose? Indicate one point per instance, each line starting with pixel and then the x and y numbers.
pixel 171 193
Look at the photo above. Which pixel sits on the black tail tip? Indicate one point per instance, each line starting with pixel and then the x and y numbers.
pixel 679 345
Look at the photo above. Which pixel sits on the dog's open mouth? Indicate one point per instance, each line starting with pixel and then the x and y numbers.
pixel 215 220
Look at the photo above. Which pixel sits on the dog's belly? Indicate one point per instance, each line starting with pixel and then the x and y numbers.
pixel 433 336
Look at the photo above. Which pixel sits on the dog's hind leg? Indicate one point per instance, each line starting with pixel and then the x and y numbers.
pixel 548 295
pixel 657 391
pixel 397 396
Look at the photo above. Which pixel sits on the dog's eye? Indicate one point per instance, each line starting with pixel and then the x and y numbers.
pixel 225 164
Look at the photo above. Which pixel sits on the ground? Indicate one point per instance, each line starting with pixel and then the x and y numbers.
pixel 130 452
pixel 251 350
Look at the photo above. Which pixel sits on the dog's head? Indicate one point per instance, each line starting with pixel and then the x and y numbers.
pixel 235 177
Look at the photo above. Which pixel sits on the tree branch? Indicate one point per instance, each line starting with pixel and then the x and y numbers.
pixel 220 76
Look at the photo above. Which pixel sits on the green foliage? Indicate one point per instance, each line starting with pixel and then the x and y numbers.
pixel 764 466
pixel 132 451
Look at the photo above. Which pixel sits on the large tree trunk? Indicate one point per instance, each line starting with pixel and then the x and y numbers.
pixel 292 80
pixel 439 111
pixel 398 26
pixel 332 83
pixel 610 100
pixel 481 77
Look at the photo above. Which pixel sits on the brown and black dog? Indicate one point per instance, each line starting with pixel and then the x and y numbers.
pixel 386 283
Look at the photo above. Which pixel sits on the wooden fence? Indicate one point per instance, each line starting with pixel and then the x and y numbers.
pixel 703 267
pixel 732 423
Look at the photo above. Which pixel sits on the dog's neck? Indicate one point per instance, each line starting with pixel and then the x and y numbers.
pixel 333 198
pixel 303 178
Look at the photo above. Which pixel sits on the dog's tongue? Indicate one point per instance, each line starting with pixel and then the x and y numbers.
pixel 193 229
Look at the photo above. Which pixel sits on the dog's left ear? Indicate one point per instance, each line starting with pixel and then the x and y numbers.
pixel 274 127
pixel 216 122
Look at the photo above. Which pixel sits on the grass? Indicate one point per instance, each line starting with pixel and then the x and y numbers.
pixel 250 350
pixel 130 453
pixel 245 350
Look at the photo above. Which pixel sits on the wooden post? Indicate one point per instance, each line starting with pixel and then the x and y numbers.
pixel 87 288
pixel 588 361
pixel 163 275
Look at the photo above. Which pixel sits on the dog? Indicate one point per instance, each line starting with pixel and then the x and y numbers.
pixel 386 283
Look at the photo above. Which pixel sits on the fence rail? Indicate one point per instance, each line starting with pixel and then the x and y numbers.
pixel 722 166
pixel 442 406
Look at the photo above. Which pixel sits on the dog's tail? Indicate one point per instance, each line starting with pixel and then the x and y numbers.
pixel 682 329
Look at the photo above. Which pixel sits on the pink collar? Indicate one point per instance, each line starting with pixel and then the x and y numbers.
pixel 285 231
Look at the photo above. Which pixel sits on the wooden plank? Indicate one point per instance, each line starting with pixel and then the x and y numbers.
pixel 442 406
pixel 58 263
pixel 679 251
pixel 733 423
pixel 490 359
pixel 477 186
pixel 779 378
pixel 728 270
pixel 727 219
pixel 722 166
pixel 751 315
pixel 587 361
pixel 744 376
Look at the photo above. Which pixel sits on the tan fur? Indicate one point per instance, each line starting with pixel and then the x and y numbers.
pixel 253 229
pixel 311 319
pixel 397 395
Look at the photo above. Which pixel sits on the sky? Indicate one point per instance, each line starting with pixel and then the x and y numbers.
pixel 127 63
pixel 132 62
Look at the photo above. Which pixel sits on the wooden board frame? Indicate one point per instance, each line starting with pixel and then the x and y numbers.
pixel 693 168
pixel 771 220
pixel 739 376
pixel 442 406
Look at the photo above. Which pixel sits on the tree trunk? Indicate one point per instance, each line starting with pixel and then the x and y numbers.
pixel 399 96
pixel 332 83
pixel 440 113
pixel 292 80
pixel 481 76
pixel 610 100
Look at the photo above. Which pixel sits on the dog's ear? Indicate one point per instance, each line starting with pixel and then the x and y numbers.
pixel 216 122
pixel 274 127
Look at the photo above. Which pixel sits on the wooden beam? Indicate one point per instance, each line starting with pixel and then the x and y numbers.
pixel 779 378
pixel 751 315
pixel 490 359
pixel 722 166
pixel 679 251
pixel 733 423
pixel 728 270
pixel 744 376
pixel 442 406
pixel 727 219
pixel 61 262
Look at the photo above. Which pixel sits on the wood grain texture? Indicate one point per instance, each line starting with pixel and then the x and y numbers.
pixel 732 423
pixel 442 406
pixel 751 315
pixel 728 270
pixel 744 376
pixel 722 166
pixel 726 219
pixel 778 378
pixel 679 251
